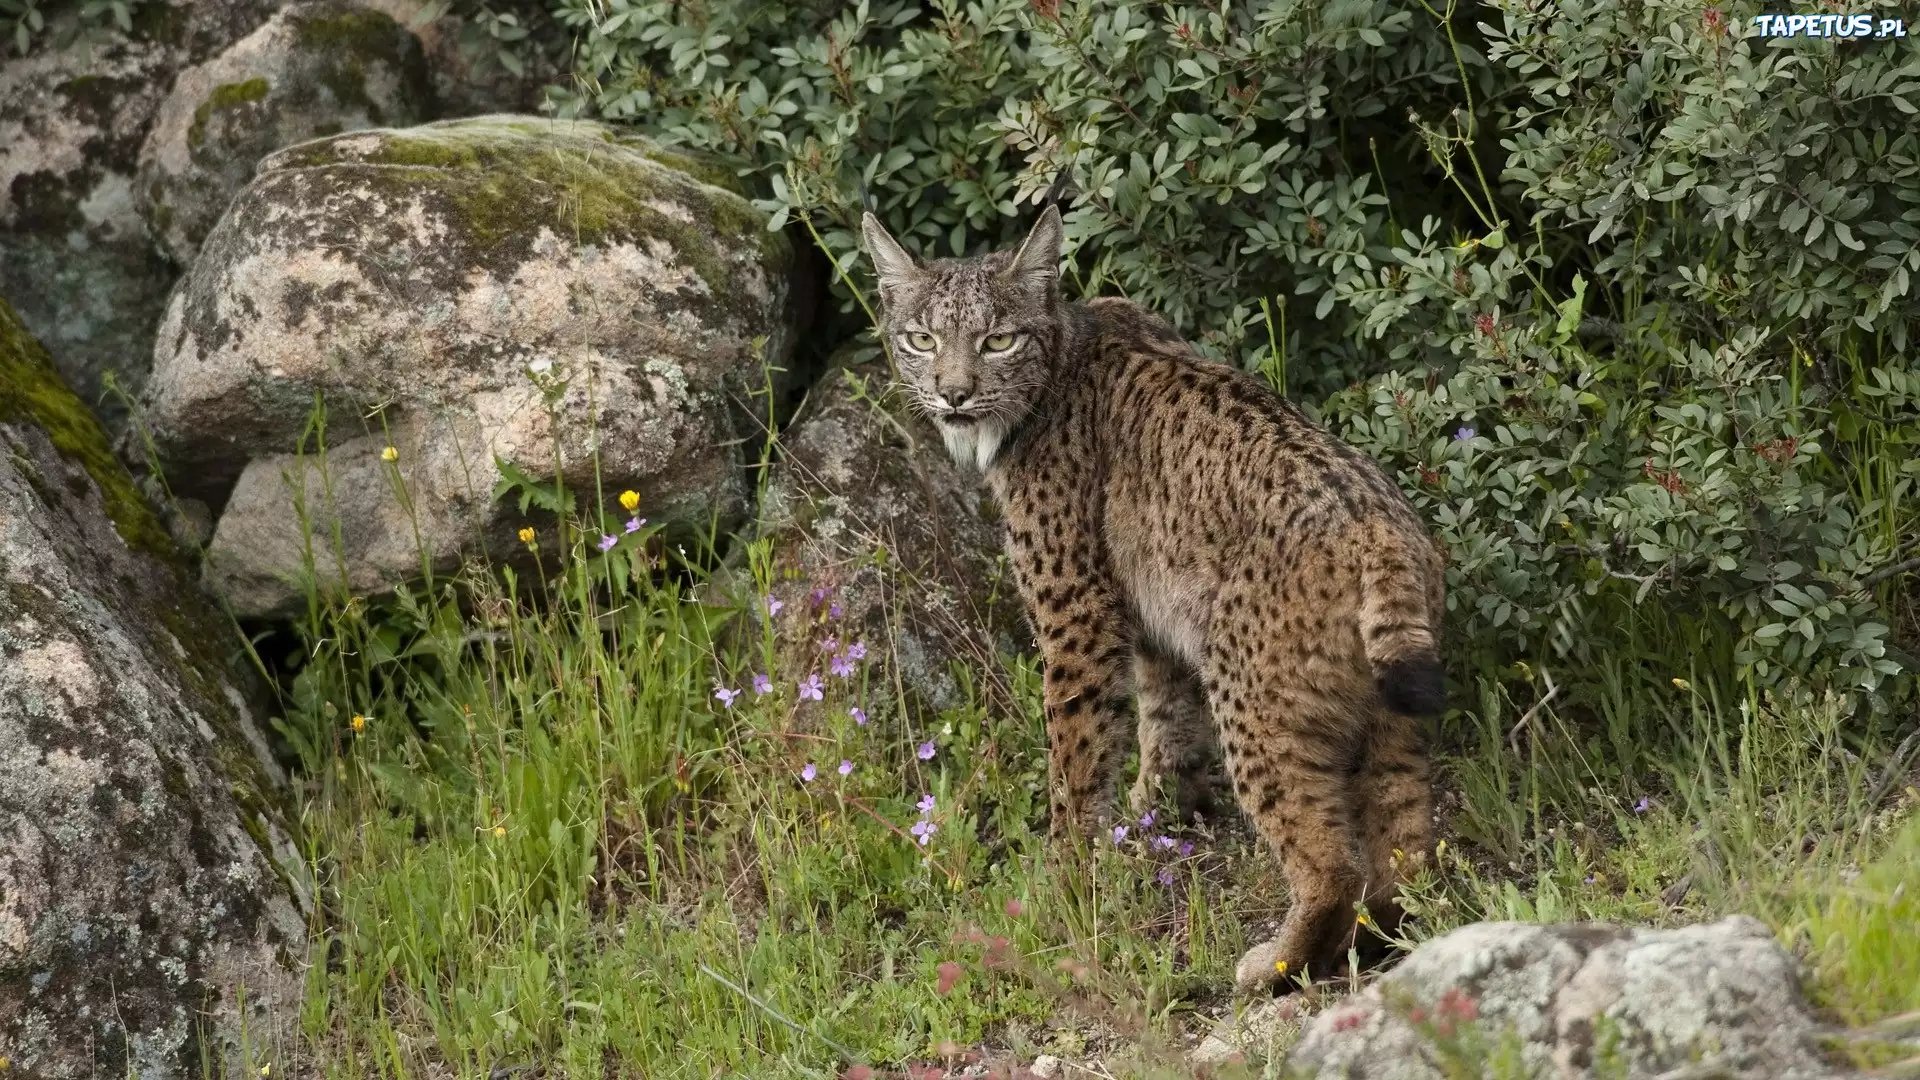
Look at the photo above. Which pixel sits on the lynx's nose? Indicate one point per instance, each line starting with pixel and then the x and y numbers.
pixel 954 395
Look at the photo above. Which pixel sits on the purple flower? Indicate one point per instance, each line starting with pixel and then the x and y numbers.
pixel 857 650
pixel 1186 849
pixel 725 695
pixel 1119 833
pixel 835 611
pixel 1588 880
pixel 809 773
pixel 1463 434
pixel 1641 806
pixel 925 805
pixel 859 714
pixel 607 542
pixel 923 830
pixel 773 606
pixel 819 594
pixel 811 689
pixel 829 643
pixel 762 685
pixel 926 750
pixel 634 524
pixel 846 767
pixel 1165 876
pixel 1146 820
pixel 842 666
pixel 1164 843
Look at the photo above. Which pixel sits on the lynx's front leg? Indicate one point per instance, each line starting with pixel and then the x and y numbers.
pixel 1077 615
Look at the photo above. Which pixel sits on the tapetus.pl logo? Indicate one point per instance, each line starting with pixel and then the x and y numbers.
pixel 1859 27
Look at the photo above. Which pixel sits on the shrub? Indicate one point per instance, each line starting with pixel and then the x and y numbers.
pixel 1623 299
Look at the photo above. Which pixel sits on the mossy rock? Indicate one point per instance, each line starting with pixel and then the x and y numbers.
pixel 31 391
pixel 75 258
pixel 151 895
pixel 419 281
pixel 315 68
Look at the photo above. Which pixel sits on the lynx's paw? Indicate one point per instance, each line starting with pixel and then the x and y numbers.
pixel 1262 967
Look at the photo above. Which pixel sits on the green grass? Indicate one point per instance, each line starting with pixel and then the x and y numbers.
pixel 548 845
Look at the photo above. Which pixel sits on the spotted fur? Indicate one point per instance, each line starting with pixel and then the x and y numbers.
pixel 1181 533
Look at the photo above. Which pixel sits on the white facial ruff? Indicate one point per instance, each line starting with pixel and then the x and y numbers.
pixel 975 444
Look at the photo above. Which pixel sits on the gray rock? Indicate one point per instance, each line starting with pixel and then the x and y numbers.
pixel 864 501
pixel 1718 999
pixel 1254 1032
pixel 75 258
pixel 147 884
pixel 475 293
pixel 315 68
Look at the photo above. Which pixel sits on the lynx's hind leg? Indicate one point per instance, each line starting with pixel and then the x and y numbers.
pixel 1289 733
pixel 1176 736
pixel 1395 793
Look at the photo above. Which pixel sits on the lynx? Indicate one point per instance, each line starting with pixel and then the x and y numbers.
pixel 1179 531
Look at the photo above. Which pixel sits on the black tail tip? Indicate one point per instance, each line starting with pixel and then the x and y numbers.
pixel 1415 686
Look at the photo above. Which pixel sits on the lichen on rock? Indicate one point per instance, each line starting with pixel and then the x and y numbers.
pixel 868 515
pixel 150 893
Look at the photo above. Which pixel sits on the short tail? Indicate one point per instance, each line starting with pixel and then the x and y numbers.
pixel 1400 606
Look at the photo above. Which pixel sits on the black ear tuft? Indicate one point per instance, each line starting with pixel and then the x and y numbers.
pixel 1415 686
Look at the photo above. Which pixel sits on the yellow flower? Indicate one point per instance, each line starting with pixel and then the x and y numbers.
pixel 1280 966
pixel 499 830
pixel 1682 684
pixel 267 1069
pixel 1565 524
pixel 1364 921
pixel 630 500
pixel 1440 849
pixel 389 454
pixel 359 723
pixel 526 536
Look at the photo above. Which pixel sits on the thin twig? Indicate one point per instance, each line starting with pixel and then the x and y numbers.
pixel 1886 572
pixel 1896 768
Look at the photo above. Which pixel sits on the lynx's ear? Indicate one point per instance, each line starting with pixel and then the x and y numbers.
pixel 891 263
pixel 1038 260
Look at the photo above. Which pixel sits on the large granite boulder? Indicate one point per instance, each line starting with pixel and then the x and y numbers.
pixel 1720 999
pixel 315 68
pixel 150 898
pixel 487 297
pixel 74 254
pixel 879 538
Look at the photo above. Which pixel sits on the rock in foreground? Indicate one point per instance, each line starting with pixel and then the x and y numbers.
pixel 1719 999
pixel 483 296
pixel 147 888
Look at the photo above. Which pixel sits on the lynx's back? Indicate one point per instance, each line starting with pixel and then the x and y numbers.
pixel 1182 533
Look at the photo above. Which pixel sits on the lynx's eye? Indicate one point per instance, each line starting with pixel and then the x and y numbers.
pixel 999 342
pixel 920 341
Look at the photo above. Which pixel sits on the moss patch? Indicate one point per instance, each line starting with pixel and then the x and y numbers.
pixel 31 391
pixel 225 96
pixel 356 31
pixel 506 176
pixel 347 41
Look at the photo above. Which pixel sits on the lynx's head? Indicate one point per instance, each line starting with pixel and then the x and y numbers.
pixel 973 338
